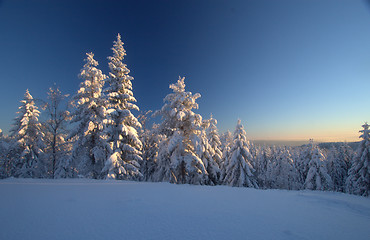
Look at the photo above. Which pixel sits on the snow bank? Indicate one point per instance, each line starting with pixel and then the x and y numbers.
pixel 92 209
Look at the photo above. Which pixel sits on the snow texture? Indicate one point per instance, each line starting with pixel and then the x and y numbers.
pixel 78 209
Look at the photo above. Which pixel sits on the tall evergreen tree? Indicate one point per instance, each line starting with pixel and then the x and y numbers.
pixel 206 153
pixel 55 130
pixel 27 148
pixel 178 161
pixel 358 181
pixel 90 148
pixel 238 167
pixel 122 127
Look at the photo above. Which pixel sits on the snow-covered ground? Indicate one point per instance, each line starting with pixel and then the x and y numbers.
pixel 89 209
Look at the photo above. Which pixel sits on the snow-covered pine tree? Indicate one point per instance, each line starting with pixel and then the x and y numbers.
pixel 150 139
pixel 346 154
pixel 263 160
pixel 55 129
pixel 358 181
pixel 214 140
pixel 206 152
pixel 163 171
pixel 90 148
pixel 12 156
pixel 338 165
pixel 27 147
pixel 5 165
pixel 317 176
pixel 226 141
pixel 178 161
pixel 301 164
pixel 283 174
pixel 292 172
pixel 238 168
pixel 254 150
pixel 270 173
pixel 122 127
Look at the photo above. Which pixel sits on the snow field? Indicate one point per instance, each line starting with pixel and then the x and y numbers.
pixel 93 209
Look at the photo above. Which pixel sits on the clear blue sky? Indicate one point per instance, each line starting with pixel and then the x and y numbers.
pixel 288 69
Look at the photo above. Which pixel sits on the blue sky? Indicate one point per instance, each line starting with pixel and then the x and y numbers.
pixel 290 70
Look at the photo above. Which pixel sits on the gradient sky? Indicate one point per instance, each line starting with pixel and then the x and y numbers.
pixel 290 70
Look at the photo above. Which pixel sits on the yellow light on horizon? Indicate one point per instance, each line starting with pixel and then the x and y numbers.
pixel 322 135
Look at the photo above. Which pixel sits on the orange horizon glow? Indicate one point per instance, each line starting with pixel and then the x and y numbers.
pixel 349 134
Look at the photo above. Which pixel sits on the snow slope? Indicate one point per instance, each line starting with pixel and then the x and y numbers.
pixel 92 209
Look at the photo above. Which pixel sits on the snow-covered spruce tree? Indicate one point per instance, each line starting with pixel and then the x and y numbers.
pixel 90 148
pixel 150 139
pixel 238 168
pixel 27 147
pixel 122 127
pixel 214 140
pixel 254 150
pixel 205 152
pixel 5 165
pixel 269 176
pixel 338 165
pixel 346 154
pixel 12 155
pixel 301 164
pixel 226 141
pixel 55 129
pixel 292 172
pixel 178 161
pixel 163 171
pixel 262 162
pixel 358 181
pixel 283 174
pixel 317 176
